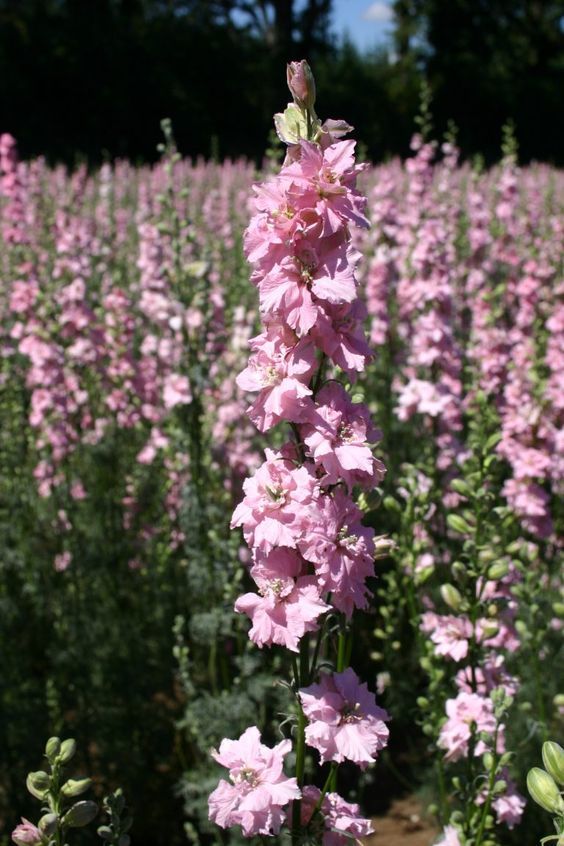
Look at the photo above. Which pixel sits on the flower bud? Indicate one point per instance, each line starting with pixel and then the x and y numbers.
pixel 38 784
pixel 75 786
pixel 80 814
pixel 461 486
pixel 498 571
pixel 26 834
pixel 553 760
pixel 451 596
pixel 68 749
pixel 489 630
pixel 48 824
pixel 459 571
pixel 383 546
pixel 301 83
pixel 544 791
pixel 459 524
pixel 52 748
pixel 488 760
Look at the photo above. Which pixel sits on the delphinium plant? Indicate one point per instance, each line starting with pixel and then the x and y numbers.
pixel 312 556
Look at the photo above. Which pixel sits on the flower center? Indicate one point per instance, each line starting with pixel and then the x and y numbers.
pixel 345 433
pixel 276 495
pixel 246 776
pixel 345 539
pixel 270 376
pixel 274 586
pixel 351 713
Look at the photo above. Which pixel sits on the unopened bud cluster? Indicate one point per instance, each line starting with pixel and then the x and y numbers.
pixel 62 813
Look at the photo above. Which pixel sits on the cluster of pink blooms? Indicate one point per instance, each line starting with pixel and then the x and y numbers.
pixel 95 330
pixel 463 290
pixel 310 551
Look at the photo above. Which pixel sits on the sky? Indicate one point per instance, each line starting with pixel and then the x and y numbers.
pixel 367 24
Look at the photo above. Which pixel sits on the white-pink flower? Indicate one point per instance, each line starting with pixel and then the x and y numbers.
pixel 258 790
pixel 450 837
pixel 275 511
pixel 340 548
pixel 345 723
pixel 26 834
pixel 451 635
pixel 337 433
pixel 176 390
pixel 287 605
pixel 337 822
pixel 279 369
pixel 469 714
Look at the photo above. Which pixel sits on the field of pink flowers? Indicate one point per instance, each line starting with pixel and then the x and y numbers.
pixel 314 522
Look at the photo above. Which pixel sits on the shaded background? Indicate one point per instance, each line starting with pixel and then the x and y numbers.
pixel 92 78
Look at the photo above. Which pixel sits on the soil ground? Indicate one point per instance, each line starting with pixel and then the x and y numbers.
pixel 404 824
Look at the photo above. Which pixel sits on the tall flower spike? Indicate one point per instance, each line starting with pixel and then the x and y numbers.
pixel 310 552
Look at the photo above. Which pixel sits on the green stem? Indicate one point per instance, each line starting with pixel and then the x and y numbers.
pixel 442 791
pixel 316 649
pixel 342 651
pixel 330 776
pixel 301 676
pixel 488 802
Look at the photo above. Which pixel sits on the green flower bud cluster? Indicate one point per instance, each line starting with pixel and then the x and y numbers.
pixel 57 794
pixel 114 831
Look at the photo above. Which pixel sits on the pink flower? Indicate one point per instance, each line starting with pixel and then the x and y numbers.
pixel 275 510
pixel 339 333
pixel 340 548
pixel 258 791
pixel 26 834
pixel 338 823
pixel 176 390
pixel 285 293
pixel 337 434
pixel 509 807
pixel 492 674
pixel 326 179
pixel 288 604
pixel 449 634
pixel 421 397
pixel 62 561
pixel 450 837
pixel 344 721
pixel 280 369
pixel 468 714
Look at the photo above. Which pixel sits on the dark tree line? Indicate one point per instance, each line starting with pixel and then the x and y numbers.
pixel 93 78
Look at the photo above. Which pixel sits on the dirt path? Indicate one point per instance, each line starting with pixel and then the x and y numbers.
pixel 403 825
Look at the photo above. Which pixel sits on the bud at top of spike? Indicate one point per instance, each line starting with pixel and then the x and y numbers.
pixel 68 748
pixel 52 748
pixel 553 760
pixel 301 84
